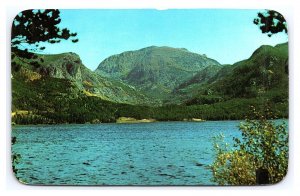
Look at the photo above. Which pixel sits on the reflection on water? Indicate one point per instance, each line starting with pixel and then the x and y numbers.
pixel 163 153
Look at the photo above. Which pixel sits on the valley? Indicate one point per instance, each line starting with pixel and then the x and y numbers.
pixel 161 83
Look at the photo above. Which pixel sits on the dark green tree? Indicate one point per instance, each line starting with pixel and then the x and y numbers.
pixel 30 28
pixel 271 22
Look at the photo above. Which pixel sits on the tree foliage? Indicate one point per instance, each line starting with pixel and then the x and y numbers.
pixel 15 158
pixel 55 100
pixel 264 145
pixel 30 28
pixel 270 22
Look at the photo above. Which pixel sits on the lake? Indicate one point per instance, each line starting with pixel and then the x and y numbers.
pixel 160 153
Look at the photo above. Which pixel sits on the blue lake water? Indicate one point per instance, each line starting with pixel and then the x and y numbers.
pixel 162 153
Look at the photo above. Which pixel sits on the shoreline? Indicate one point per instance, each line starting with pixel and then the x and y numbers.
pixel 156 121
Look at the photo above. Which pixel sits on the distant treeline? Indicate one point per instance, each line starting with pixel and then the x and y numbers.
pixel 53 100
pixel 105 114
pixel 93 110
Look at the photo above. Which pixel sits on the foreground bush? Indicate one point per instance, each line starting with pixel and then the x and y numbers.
pixel 260 157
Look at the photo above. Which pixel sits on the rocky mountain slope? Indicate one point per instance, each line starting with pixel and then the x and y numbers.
pixel 264 74
pixel 69 66
pixel 155 71
pixel 60 89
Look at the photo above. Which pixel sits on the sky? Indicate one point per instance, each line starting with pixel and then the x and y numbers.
pixel 227 36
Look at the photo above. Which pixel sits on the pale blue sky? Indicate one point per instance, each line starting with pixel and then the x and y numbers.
pixel 227 36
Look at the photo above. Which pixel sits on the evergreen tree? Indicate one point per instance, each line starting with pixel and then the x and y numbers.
pixel 271 22
pixel 30 28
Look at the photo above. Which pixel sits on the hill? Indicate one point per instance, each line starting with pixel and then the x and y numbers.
pixel 155 71
pixel 69 66
pixel 60 89
pixel 263 75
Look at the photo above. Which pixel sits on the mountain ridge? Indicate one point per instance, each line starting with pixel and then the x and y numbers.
pixel 265 71
pixel 60 89
pixel 154 70
pixel 69 66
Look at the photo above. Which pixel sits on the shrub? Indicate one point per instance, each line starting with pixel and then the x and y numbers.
pixel 263 147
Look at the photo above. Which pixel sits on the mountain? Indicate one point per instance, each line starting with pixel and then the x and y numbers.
pixel 155 71
pixel 190 87
pixel 69 66
pixel 264 75
pixel 60 89
pixel 265 70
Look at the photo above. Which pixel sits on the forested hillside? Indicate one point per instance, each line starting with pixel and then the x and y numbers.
pixel 60 89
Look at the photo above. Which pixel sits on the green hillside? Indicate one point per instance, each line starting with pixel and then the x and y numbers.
pixel 60 89
pixel 264 75
pixel 69 66
pixel 156 71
